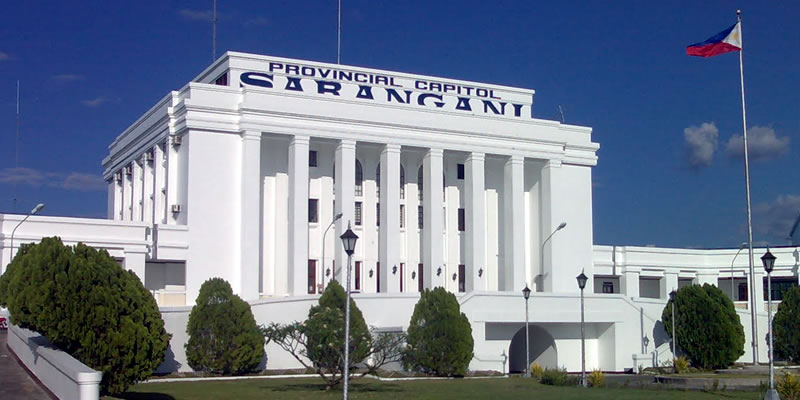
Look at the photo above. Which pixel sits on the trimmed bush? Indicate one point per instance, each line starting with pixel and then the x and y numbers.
pixel 223 335
pixel 324 330
pixel 596 378
pixel 536 371
pixel 439 335
pixel 789 386
pixel 680 365
pixel 709 331
pixel 80 299
pixel 786 325
pixel 557 377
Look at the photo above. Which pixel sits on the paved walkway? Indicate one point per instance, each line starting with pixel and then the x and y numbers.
pixel 15 383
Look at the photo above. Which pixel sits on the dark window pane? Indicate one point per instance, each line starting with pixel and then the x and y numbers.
pixel 312 158
pixel 357 272
pixel 461 278
pixel 461 221
pixel 357 213
pixel 312 210
pixel 312 276
pixel 460 171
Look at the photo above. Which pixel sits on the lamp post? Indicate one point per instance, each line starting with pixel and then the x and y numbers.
pixel 335 218
pixel 35 210
pixel 741 247
pixel 582 284
pixel 672 296
pixel 541 251
pixel 349 239
pixel 526 293
pixel 769 262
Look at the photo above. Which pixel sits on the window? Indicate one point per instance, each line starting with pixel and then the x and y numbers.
pixel 461 221
pixel 742 291
pixel 402 273
pixel 357 272
pixel 779 287
pixel 402 216
pixel 377 214
pixel 378 278
pixel 462 275
pixel 312 210
pixel 312 158
pixel 222 80
pixel 460 171
pixel 608 287
pixel 402 182
pixel 420 217
pixel 359 179
pixel 378 181
pixel 419 183
pixel 357 213
pixel 312 276
pixel 419 277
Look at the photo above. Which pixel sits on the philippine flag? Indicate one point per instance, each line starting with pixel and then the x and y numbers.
pixel 724 42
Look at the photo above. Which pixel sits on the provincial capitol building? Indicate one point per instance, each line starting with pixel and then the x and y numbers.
pixel 241 174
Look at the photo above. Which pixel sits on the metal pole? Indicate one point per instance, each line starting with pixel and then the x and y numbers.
pixel 674 335
pixel 754 326
pixel 214 33
pixel 641 328
pixel 527 344
pixel 772 394
pixel 583 346
pixel 741 246
pixel 339 36
pixel 346 370
pixel 16 152
pixel 335 218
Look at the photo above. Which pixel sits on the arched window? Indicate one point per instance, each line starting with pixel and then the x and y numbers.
pixel 420 182
pixel 402 182
pixel 378 181
pixel 359 179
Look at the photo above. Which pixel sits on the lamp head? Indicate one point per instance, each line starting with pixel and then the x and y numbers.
pixel 349 239
pixel 582 278
pixel 561 226
pixel 672 295
pixel 768 260
pixel 38 208
pixel 337 217
pixel 526 293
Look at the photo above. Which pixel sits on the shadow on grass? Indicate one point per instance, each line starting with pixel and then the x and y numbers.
pixel 144 396
pixel 358 388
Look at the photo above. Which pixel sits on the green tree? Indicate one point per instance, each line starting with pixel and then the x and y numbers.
pixel 439 335
pixel 223 335
pixel 786 325
pixel 86 305
pixel 320 339
pixel 708 329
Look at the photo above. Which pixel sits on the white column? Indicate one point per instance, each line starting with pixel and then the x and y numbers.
pixel 390 219
pixel 630 283
pixel 345 203
pixel 514 225
pixel 158 185
pixel 759 286
pixel 148 195
pixel 115 208
pixel 250 222
pixel 127 195
pixel 432 240
pixel 668 283
pixel 171 183
pixel 134 260
pixel 298 215
pixel 475 199
pixel 136 199
pixel 711 278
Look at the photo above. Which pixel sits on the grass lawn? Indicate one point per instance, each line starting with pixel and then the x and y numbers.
pixel 457 389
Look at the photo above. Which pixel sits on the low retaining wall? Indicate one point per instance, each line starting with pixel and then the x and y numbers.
pixel 63 375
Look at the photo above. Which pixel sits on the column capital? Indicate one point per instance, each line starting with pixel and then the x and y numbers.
pixel 300 139
pixel 251 135
pixel 515 159
pixel 552 164
pixel 435 152
pixel 391 148
pixel 473 156
pixel 347 144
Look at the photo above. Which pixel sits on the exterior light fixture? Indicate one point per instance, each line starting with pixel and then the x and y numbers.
pixel 394 269
pixel 438 271
pixel 582 278
pixel 526 293
pixel 349 239
pixel 480 272
pixel 35 211
pixel 413 274
pixel 769 263
pixel 455 275
pixel 371 272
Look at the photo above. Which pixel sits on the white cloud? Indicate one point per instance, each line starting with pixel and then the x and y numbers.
pixel 36 178
pixel 68 77
pixel 95 102
pixel 701 142
pixel 775 219
pixel 196 15
pixel 762 144
pixel 4 56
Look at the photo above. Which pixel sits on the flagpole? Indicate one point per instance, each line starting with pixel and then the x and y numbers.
pixel 754 325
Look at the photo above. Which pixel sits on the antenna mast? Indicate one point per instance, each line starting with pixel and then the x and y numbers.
pixel 16 152
pixel 339 37
pixel 214 33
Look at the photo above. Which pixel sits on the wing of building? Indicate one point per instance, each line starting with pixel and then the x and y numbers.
pixel 243 173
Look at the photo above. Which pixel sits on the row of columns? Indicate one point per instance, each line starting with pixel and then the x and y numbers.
pixel 144 195
pixel 513 268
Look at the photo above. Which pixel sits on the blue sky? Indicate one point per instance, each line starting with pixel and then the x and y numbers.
pixel 668 171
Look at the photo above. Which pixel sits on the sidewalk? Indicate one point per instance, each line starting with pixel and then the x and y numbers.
pixel 15 383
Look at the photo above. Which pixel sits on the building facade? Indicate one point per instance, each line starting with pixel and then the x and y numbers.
pixel 242 173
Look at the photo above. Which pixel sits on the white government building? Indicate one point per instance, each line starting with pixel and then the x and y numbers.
pixel 239 175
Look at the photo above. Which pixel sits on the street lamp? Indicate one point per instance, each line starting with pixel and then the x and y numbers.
pixel 35 210
pixel 672 296
pixel 335 218
pixel 769 262
pixel 349 239
pixel 741 247
pixel 582 284
pixel 541 252
pixel 526 293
